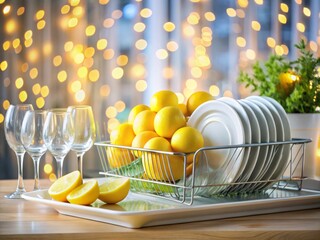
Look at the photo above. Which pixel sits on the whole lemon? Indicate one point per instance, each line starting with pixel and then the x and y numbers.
pixel 118 157
pixel 144 121
pixel 196 99
pixel 160 166
pixel 183 108
pixel 168 120
pixel 141 139
pixel 123 135
pixel 162 99
pixel 187 139
pixel 135 110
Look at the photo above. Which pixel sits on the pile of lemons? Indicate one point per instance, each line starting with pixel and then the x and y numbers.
pixel 70 188
pixel 160 126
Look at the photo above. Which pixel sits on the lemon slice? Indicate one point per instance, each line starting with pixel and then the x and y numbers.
pixel 114 190
pixel 85 194
pixel 64 185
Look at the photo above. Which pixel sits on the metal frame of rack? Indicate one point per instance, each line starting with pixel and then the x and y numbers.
pixel 183 177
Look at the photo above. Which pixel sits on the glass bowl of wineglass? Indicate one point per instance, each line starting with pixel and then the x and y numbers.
pixel 58 135
pixel 85 133
pixel 32 139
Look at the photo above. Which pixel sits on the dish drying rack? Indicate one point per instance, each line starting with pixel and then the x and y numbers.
pixel 195 180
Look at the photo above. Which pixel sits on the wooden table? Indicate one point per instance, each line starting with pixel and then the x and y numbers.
pixel 21 219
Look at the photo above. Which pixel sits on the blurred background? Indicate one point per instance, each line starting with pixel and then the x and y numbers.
pixel 114 54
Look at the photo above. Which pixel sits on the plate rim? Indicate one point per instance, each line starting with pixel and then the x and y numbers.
pixel 277 158
pixel 247 130
pixel 264 135
pixel 195 120
pixel 287 133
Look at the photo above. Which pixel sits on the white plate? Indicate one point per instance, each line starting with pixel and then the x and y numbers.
pixel 220 125
pixel 272 137
pixel 283 163
pixel 278 150
pixel 247 132
pixel 264 137
pixel 255 138
pixel 138 210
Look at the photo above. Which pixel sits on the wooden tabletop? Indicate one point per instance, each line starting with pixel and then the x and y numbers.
pixel 21 219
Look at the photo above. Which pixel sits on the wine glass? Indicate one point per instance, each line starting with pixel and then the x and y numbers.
pixel 12 129
pixel 85 134
pixel 32 139
pixel 58 135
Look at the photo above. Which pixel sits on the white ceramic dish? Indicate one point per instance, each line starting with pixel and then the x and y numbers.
pixel 272 138
pixel 278 150
pixel 263 151
pixel 283 163
pixel 254 152
pixel 247 133
pixel 219 125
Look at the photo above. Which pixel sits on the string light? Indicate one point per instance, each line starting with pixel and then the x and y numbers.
pixel 90 30
pixel 284 7
pixel 20 11
pixel 3 66
pixel 36 88
pixel 94 75
pixel 117 73
pixel 104 90
pixel 111 112
pixel 122 60
pixel 146 12
pixel 139 27
pixel 108 22
pixel 209 16
pixel 161 53
pixel 6 10
pixel 141 85
pixel 120 106
pixel 19 83
pixel 282 18
pixel 6 104
pixel 169 26
pixel 102 44
pixel 172 46
pixel 62 76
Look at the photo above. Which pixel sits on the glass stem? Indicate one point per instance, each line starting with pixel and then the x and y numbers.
pixel 59 166
pixel 36 163
pixel 20 186
pixel 80 163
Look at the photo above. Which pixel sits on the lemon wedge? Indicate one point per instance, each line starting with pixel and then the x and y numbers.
pixel 85 194
pixel 114 190
pixel 60 189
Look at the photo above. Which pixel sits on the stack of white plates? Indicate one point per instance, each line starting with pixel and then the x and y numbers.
pixel 228 122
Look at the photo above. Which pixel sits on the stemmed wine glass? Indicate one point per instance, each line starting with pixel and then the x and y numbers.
pixel 32 139
pixel 85 134
pixel 12 129
pixel 58 135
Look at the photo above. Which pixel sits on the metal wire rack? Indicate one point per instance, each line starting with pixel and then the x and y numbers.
pixel 236 170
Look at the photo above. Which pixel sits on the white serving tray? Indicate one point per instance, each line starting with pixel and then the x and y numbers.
pixel 138 210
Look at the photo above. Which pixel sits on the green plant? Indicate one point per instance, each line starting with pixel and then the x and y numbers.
pixel 294 84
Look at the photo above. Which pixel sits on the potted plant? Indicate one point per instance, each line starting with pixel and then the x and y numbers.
pixel 296 86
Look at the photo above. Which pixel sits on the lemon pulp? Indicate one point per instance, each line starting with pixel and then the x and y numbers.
pixel 85 194
pixel 60 189
pixel 114 190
